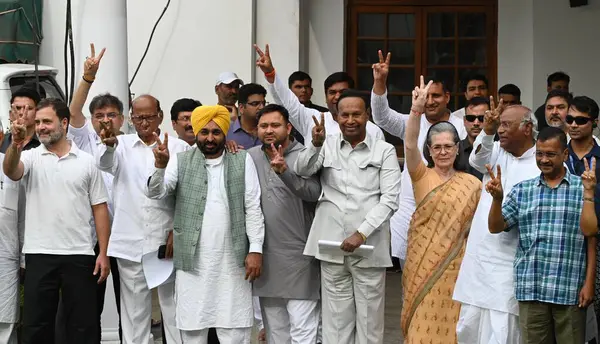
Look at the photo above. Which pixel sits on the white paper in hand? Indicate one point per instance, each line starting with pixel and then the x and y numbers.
pixel 333 248
pixel 157 271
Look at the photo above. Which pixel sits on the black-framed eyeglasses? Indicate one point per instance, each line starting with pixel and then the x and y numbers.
pixel 579 120
pixel 472 118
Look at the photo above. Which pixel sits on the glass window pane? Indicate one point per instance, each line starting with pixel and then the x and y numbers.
pixel 401 80
pixel 447 75
pixel 471 25
pixel 367 51
pixel 472 52
pixel 440 53
pixel 401 25
pixel 371 25
pixel 441 24
pixel 403 52
pixel 365 79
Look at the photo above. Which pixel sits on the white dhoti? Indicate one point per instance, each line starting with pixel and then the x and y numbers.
pixel 136 305
pixel 8 333
pixel 290 321
pixel 214 293
pixel 486 326
pixel 225 335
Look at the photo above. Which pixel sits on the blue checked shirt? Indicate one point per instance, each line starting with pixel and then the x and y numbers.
pixel 551 257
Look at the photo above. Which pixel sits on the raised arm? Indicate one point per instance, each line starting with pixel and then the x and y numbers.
pixel 163 180
pixel 589 221
pixel 13 166
pixel 385 117
pixel 90 68
pixel 300 116
pixel 483 147
pixel 497 217
pixel 414 160
pixel 310 159
pixel 307 189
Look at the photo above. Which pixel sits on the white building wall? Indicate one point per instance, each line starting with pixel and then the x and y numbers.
pixel 566 39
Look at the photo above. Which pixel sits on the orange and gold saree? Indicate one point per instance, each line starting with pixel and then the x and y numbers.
pixel 436 244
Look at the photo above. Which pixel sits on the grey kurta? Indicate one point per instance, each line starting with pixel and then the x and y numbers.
pixel 288 204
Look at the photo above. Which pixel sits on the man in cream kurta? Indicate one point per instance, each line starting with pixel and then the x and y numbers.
pixel 359 176
pixel 218 255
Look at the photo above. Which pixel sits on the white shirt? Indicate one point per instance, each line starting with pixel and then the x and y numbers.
pixel 460 113
pixel 9 216
pixel 88 141
pixel 140 225
pixel 60 193
pixel 301 116
pixel 395 124
pixel 485 278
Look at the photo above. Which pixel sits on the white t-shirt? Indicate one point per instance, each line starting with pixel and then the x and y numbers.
pixel 60 193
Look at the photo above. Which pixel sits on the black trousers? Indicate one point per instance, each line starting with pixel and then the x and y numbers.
pixel 61 329
pixel 72 277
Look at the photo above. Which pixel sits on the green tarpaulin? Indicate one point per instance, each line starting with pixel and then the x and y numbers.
pixel 20 30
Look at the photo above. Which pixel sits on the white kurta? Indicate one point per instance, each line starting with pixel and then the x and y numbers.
pixel 215 293
pixel 9 249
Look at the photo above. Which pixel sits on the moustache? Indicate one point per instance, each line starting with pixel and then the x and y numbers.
pixel 188 127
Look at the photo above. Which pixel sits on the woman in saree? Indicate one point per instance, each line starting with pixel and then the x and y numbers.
pixel 446 200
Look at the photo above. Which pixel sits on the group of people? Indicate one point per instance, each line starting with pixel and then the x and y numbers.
pixel 290 213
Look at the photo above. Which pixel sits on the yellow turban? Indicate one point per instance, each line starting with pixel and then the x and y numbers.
pixel 204 114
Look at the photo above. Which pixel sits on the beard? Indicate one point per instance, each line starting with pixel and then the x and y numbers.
pixel 52 138
pixel 205 147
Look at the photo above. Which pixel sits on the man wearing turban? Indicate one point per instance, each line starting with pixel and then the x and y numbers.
pixel 215 256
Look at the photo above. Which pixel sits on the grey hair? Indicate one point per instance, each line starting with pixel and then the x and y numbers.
pixel 529 117
pixel 438 128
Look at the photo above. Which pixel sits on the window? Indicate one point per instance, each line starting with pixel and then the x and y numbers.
pixel 425 38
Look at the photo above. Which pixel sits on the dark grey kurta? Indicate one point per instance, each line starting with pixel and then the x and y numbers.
pixel 288 204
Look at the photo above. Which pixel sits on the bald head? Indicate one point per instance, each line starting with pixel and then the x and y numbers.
pixel 145 100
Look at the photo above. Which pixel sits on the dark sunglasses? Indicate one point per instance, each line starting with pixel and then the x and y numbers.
pixel 472 118
pixel 579 120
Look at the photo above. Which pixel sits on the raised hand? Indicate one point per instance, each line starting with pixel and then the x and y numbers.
pixel 494 186
pixel 318 131
pixel 588 177
pixel 381 69
pixel 264 59
pixel 107 134
pixel 419 96
pixel 91 64
pixel 277 161
pixel 161 152
pixel 491 120
pixel 18 132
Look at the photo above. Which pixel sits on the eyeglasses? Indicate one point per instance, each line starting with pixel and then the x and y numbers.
pixel 184 119
pixel 579 120
pixel 257 103
pixel 141 118
pixel 101 116
pixel 549 155
pixel 472 118
pixel 437 149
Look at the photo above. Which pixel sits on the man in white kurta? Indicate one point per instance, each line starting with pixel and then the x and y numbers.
pixel 140 225
pixel 485 286
pixel 212 282
pixel 9 256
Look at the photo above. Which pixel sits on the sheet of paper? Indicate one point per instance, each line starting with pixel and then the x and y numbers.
pixel 333 247
pixel 157 271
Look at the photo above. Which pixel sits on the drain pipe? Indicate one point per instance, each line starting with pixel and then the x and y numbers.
pixel 253 38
